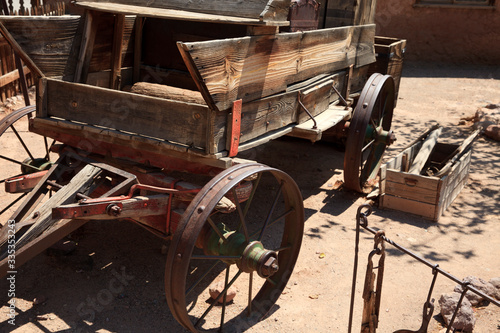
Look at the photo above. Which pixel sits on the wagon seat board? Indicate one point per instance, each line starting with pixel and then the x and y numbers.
pixel 266 71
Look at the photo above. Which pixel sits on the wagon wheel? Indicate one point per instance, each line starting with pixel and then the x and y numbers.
pixel 251 244
pixel 369 133
pixel 19 156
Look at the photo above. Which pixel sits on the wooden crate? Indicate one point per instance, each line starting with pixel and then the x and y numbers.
pixel 389 53
pixel 422 195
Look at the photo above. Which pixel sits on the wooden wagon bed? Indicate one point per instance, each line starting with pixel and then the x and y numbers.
pixel 237 59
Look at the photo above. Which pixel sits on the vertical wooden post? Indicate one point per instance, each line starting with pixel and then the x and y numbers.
pixel 86 48
pixel 22 80
pixel 139 23
pixel 116 55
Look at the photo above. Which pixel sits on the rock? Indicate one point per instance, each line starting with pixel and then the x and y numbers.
pixel 492 106
pixel 493 132
pixel 217 287
pixel 465 319
pixel 495 282
pixel 480 285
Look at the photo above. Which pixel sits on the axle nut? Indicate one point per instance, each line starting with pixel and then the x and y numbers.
pixel 270 267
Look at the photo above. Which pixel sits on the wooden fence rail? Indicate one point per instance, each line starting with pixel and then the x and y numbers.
pixel 10 84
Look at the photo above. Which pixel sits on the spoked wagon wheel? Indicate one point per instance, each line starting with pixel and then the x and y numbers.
pixel 21 153
pixel 369 133
pixel 250 245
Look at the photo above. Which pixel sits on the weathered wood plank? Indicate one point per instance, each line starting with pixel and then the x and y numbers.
pixel 169 120
pixel 424 152
pixel 47 40
pixel 12 76
pixel 117 51
pixel 331 117
pixel 250 68
pixel 86 47
pixel 403 178
pixel 167 92
pixel 224 11
pixel 274 112
pixel 19 50
pixel 409 206
pixel 108 142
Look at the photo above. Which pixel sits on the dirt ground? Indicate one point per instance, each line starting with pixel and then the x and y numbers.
pixel 466 240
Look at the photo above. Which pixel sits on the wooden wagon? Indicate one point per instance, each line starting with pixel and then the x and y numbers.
pixel 134 91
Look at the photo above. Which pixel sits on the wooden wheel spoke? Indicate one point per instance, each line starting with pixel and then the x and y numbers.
pixel 242 225
pixel 202 278
pixel 224 298
pixel 271 211
pixel 19 163
pixel 217 230
pixel 250 198
pixel 22 142
pixel 226 288
pixel 13 202
pixel 279 218
pixel 250 286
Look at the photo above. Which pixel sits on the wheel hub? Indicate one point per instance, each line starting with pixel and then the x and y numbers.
pixel 249 257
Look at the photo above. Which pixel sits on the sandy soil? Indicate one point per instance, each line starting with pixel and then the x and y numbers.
pixel 464 242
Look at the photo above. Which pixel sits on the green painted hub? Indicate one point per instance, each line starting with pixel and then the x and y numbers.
pixel 249 257
pixel 38 164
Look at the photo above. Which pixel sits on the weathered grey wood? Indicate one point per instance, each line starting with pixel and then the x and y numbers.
pixel 457 154
pixel 410 206
pixel 223 11
pixel 169 120
pixel 274 112
pixel 167 92
pixel 329 118
pixel 365 12
pixel 47 40
pixel 250 68
pixel 65 195
pixel 425 152
pixel 88 134
pixel 139 24
pixel 19 51
pixel 12 76
pixel 116 53
pixel 86 47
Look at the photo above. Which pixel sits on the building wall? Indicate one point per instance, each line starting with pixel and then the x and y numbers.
pixel 442 34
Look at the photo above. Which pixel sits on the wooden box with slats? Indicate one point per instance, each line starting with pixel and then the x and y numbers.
pixel 426 196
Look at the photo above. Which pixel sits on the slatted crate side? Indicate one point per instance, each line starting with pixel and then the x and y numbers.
pixel 421 195
pixel 178 122
pixel 454 183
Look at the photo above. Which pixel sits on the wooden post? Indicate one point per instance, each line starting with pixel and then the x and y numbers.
pixel 116 56
pixel 139 24
pixel 86 48
pixel 425 152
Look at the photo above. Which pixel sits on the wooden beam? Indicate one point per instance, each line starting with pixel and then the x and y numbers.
pixel 12 76
pixel 116 55
pixel 260 12
pixel 250 68
pixel 139 25
pixel 86 48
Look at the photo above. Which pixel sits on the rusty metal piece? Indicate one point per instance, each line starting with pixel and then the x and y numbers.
pixel 236 242
pixel 369 133
pixel 362 221
pixel 23 183
pixel 371 293
pixel 315 124
pixel 235 128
